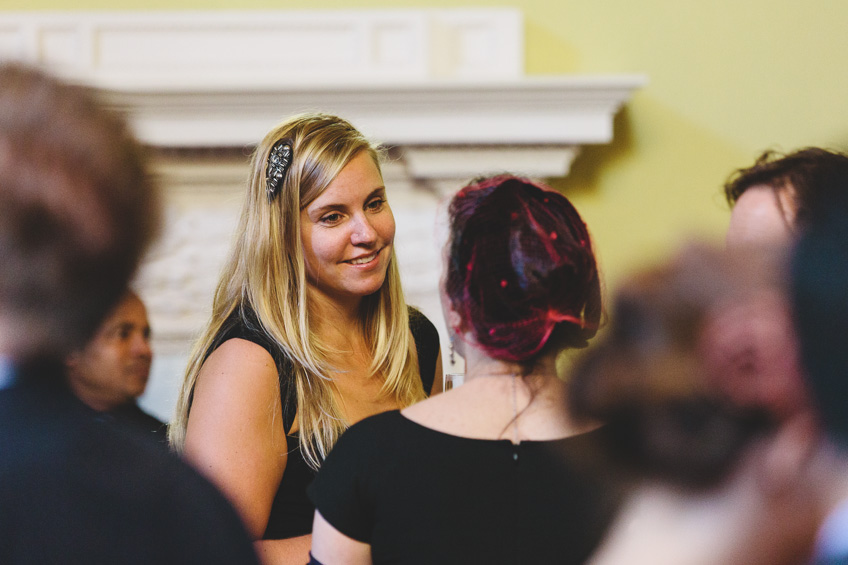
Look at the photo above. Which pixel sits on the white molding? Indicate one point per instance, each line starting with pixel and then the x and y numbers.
pixel 443 165
pixel 404 77
pixel 266 48
pixel 531 111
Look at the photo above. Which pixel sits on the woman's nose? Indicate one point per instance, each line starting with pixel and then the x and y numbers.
pixel 141 346
pixel 363 232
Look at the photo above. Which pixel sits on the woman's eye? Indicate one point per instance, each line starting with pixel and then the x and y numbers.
pixel 376 204
pixel 331 218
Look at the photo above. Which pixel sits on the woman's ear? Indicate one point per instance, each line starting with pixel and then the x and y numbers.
pixel 454 321
pixel 452 317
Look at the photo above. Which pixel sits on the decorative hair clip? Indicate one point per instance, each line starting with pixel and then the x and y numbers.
pixel 278 163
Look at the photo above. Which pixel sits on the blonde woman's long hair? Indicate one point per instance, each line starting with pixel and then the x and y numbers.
pixel 266 273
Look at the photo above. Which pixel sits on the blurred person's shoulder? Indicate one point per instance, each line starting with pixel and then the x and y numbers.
pixel 75 490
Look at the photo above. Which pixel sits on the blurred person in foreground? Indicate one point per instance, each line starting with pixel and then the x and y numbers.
pixel 490 472
pixel 707 413
pixel 820 301
pixel 775 198
pixel 76 212
pixel 111 371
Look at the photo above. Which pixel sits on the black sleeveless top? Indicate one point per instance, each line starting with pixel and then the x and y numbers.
pixel 292 511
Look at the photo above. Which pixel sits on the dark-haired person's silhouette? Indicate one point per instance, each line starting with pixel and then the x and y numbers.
pixel 76 212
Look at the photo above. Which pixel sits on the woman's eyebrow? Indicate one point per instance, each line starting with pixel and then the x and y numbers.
pixel 379 191
pixel 326 208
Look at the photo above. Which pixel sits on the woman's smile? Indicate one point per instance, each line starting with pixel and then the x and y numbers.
pixel 365 260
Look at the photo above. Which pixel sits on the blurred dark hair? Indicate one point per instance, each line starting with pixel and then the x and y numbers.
pixel 820 307
pixel 77 209
pixel 670 399
pixel 810 172
pixel 521 272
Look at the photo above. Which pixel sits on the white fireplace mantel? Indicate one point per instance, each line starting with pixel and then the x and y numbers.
pixel 416 79
pixel 532 110
pixel 447 129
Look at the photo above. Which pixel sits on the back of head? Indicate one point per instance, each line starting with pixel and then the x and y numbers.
pixel 807 173
pixel 521 272
pixel 699 362
pixel 820 308
pixel 76 212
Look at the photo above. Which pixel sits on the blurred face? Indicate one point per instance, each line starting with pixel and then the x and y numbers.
pixel 761 215
pixel 347 234
pixel 751 352
pixel 113 368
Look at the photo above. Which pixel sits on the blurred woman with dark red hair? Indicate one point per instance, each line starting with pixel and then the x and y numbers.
pixel 488 472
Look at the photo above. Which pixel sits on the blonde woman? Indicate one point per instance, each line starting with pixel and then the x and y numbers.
pixel 309 331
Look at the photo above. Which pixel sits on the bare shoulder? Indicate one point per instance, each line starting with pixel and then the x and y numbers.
pixel 239 367
pixel 237 387
pixel 438 412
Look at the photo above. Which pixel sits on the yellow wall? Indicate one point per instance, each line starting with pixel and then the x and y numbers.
pixel 727 80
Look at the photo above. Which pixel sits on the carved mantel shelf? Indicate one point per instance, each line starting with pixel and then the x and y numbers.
pixel 447 128
pixel 531 110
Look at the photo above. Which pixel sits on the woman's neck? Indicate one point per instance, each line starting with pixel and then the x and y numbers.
pixel 337 323
pixel 479 364
pixel 531 399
